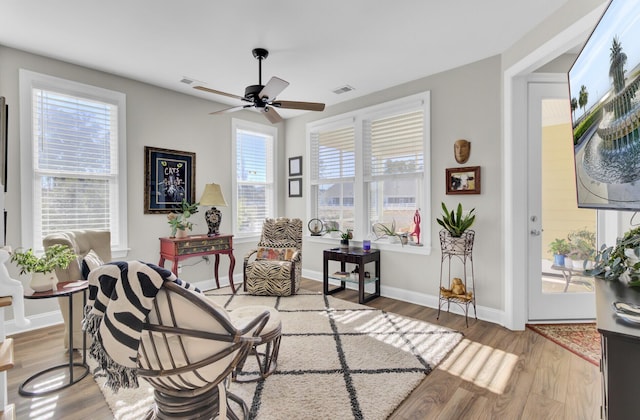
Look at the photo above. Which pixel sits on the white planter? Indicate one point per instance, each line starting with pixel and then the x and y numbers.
pixel 42 282
pixel 578 264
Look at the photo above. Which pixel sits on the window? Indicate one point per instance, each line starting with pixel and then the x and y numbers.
pixel 333 173
pixel 73 151
pixel 370 166
pixel 254 190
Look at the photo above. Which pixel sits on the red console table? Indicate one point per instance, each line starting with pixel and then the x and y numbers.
pixel 177 249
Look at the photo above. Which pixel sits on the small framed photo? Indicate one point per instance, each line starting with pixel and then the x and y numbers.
pixel 295 166
pixel 295 187
pixel 169 178
pixel 463 180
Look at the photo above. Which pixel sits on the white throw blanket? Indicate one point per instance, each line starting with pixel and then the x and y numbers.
pixel 121 294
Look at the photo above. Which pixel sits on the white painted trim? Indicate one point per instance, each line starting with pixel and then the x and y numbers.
pixel 43 320
pixel 514 164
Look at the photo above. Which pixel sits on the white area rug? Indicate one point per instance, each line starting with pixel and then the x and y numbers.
pixel 337 360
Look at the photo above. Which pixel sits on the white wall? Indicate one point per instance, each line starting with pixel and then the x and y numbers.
pixel 155 117
pixel 465 103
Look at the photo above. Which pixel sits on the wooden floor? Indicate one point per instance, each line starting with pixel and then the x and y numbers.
pixel 536 379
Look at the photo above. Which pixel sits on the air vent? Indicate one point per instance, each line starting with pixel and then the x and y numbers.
pixel 343 89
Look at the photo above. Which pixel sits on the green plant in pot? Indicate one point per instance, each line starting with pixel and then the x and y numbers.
pixel 583 246
pixel 344 236
pixel 456 223
pixel 179 219
pixel 388 230
pixel 42 268
pixel 560 248
pixel 454 239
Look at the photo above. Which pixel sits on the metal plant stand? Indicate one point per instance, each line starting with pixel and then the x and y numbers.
pixel 461 249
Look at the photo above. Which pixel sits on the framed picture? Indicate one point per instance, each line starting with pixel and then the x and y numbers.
pixel 295 187
pixel 170 177
pixel 295 166
pixel 463 180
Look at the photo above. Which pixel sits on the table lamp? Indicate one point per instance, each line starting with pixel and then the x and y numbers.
pixel 212 196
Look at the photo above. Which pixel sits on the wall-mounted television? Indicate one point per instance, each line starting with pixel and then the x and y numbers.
pixel 604 85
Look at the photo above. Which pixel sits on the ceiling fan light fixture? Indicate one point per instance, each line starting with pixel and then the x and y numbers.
pixel 263 97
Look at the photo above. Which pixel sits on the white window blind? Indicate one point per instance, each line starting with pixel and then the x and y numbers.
pixel 333 172
pixel 255 174
pixel 333 154
pixel 394 145
pixel 75 161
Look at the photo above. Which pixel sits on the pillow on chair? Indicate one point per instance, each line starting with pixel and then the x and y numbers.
pixel 272 253
pixel 90 262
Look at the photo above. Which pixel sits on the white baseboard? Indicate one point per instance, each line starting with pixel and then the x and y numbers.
pixel 38 321
pixel 492 315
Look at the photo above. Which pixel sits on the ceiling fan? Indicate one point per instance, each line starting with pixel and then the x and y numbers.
pixel 263 97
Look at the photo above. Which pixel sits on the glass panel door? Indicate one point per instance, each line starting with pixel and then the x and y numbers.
pixel 558 287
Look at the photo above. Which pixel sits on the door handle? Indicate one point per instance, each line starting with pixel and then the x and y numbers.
pixel 535 232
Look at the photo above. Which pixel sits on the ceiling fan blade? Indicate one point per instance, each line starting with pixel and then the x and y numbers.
pixel 308 106
pixel 217 92
pixel 273 88
pixel 272 115
pixel 232 109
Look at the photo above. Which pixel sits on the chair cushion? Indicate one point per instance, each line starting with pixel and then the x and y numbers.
pixel 90 262
pixel 275 253
pixel 243 315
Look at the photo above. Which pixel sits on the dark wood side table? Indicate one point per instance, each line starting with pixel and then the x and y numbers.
pixel 177 249
pixel 357 256
pixel 63 289
pixel 620 346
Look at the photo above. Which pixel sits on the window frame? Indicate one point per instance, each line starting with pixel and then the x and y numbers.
pixel 357 119
pixel 266 130
pixel 29 80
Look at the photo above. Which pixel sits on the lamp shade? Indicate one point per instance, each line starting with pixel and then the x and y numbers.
pixel 212 196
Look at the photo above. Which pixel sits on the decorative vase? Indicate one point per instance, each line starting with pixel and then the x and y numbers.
pixel 344 244
pixel 42 282
pixel 181 233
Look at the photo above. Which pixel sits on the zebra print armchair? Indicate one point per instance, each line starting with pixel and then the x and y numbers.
pixel 274 267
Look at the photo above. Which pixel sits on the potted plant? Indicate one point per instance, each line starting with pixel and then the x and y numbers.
pixel 560 248
pixel 455 222
pixel 42 268
pixel 179 220
pixel 620 262
pixel 385 230
pixel 453 238
pixel 344 236
pixel 583 247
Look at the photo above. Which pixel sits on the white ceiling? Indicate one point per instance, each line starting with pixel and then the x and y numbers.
pixel 317 47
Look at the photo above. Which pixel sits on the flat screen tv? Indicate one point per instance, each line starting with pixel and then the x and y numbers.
pixel 604 85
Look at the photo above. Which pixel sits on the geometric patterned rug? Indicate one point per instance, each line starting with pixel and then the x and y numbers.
pixel 337 360
pixel 580 339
